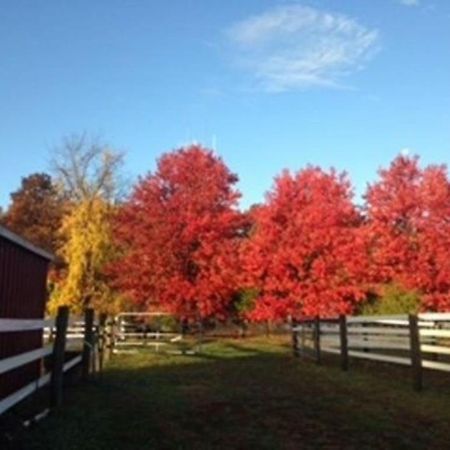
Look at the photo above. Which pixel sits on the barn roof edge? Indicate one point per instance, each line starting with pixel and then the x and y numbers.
pixel 22 242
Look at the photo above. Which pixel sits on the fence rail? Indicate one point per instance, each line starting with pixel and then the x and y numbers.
pixel 129 330
pixel 10 325
pixel 418 341
pixel 59 337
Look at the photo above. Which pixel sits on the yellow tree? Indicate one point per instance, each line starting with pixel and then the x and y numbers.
pixel 88 173
pixel 88 248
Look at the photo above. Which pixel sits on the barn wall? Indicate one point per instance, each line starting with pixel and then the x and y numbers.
pixel 23 277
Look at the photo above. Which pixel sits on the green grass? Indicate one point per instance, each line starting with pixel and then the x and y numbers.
pixel 248 394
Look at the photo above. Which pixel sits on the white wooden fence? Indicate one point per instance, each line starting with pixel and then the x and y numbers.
pixel 419 341
pixel 130 330
pixel 59 336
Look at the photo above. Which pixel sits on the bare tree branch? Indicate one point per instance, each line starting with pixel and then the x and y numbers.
pixel 87 168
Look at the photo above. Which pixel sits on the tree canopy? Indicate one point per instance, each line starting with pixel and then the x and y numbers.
pixel 179 233
pixel 88 172
pixel 36 211
pixel 180 242
pixel 88 248
pixel 408 229
pixel 305 254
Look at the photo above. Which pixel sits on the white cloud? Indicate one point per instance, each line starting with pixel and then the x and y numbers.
pixel 410 2
pixel 299 47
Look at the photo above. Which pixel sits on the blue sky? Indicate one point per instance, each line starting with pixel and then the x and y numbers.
pixel 275 84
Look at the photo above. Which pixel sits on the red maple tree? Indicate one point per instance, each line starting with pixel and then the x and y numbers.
pixel 433 277
pixel 179 234
pixel 305 255
pixel 393 209
pixel 408 230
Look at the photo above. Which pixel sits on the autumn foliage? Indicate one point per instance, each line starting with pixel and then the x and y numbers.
pixel 408 230
pixel 307 251
pixel 305 254
pixel 36 211
pixel 180 242
pixel 87 249
pixel 179 232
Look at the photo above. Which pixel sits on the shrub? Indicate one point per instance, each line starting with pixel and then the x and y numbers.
pixel 394 300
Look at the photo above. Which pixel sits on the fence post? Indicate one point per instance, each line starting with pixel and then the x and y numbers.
pixel 101 340
pixel 88 344
pixel 344 342
pixel 317 340
pixel 111 336
pixel 416 356
pixel 365 338
pixel 59 347
pixel 295 338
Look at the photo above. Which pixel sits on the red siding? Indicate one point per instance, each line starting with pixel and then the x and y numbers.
pixel 23 277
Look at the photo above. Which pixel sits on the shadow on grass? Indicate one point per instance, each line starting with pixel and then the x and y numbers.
pixel 240 395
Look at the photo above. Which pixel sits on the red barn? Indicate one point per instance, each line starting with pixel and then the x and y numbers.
pixel 23 279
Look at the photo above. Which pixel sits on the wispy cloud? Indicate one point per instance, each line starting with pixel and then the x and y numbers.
pixel 299 47
pixel 410 2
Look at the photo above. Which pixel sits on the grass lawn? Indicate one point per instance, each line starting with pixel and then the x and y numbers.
pixel 246 394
